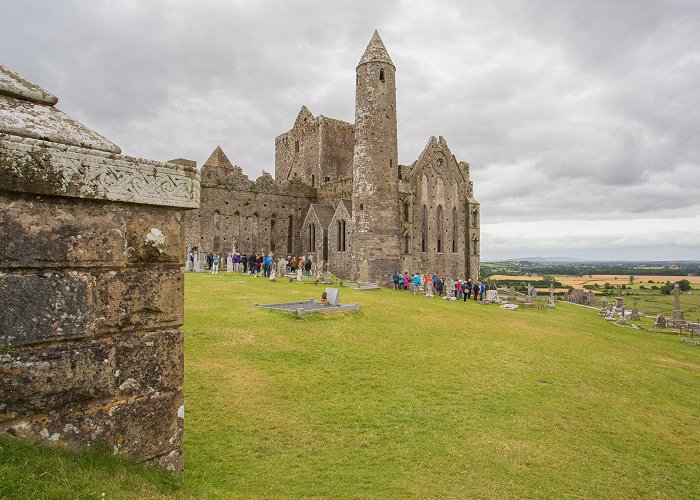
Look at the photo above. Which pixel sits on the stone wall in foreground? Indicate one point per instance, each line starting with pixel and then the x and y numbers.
pixel 91 298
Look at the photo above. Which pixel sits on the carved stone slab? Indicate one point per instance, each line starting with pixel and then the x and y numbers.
pixel 34 166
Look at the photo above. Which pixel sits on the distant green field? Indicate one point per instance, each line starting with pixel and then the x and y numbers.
pixel 409 397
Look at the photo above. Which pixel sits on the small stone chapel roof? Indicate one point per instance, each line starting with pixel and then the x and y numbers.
pixel 324 213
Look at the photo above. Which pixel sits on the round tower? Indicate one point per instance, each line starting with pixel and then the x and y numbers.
pixel 375 194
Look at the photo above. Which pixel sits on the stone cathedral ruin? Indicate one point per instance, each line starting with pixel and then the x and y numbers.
pixel 340 194
pixel 91 250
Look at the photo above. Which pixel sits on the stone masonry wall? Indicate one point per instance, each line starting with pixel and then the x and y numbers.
pixel 297 152
pixel 252 216
pixel 92 298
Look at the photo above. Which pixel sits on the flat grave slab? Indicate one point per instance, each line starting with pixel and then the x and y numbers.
pixel 310 306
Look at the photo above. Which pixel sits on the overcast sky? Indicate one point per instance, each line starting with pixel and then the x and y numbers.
pixel 580 119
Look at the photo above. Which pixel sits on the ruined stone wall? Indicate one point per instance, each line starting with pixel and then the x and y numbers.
pixel 441 185
pixel 91 298
pixel 259 216
pixel 330 193
pixel 297 152
pixel 337 143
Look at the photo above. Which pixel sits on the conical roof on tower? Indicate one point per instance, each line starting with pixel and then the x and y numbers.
pixel 375 51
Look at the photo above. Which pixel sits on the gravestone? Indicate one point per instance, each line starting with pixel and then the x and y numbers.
pixel 511 294
pixel 188 258
pixel 619 299
pixel 550 300
pixel 492 296
pixel 429 289
pixel 660 322
pixel 96 354
pixel 449 287
pixel 527 302
pixel 273 274
pixel 634 315
pixel 364 272
pixel 677 314
pixel 622 320
pixel 197 262
pixel 333 296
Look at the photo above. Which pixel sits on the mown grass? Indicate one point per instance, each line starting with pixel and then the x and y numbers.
pixel 423 397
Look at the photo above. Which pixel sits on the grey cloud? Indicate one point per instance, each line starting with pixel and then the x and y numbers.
pixel 561 108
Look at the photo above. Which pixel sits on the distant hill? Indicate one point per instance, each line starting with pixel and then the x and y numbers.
pixel 547 260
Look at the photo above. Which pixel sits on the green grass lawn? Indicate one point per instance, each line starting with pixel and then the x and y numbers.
pixel 411 397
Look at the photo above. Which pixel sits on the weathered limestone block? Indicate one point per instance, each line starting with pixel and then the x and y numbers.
pixel 142 427
pixel 55 378
pixel 68 232
pixel 91 291
pixel 149 362
pixel 69 304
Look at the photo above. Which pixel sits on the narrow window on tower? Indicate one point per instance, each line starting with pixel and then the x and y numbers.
pixel 424 230
pixel 440 230
pixel 313 180
pixel 381 74
pixel 296 146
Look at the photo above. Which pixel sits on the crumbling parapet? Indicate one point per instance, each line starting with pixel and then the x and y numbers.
pixel 91 290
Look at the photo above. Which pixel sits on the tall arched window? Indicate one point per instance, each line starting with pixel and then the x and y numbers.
pixel 454 229
pixel 381 74
pixel 312 237
pixel 440 228
pixel 255 232
pixel 343 233
pixel 290 235
pixel 340 236
pixel 424 230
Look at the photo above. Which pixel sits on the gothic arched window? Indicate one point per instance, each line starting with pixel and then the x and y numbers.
pixel 454 229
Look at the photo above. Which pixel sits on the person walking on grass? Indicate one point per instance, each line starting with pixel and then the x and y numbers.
pixel 466 290
pixel 215 264
pixel 307 266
